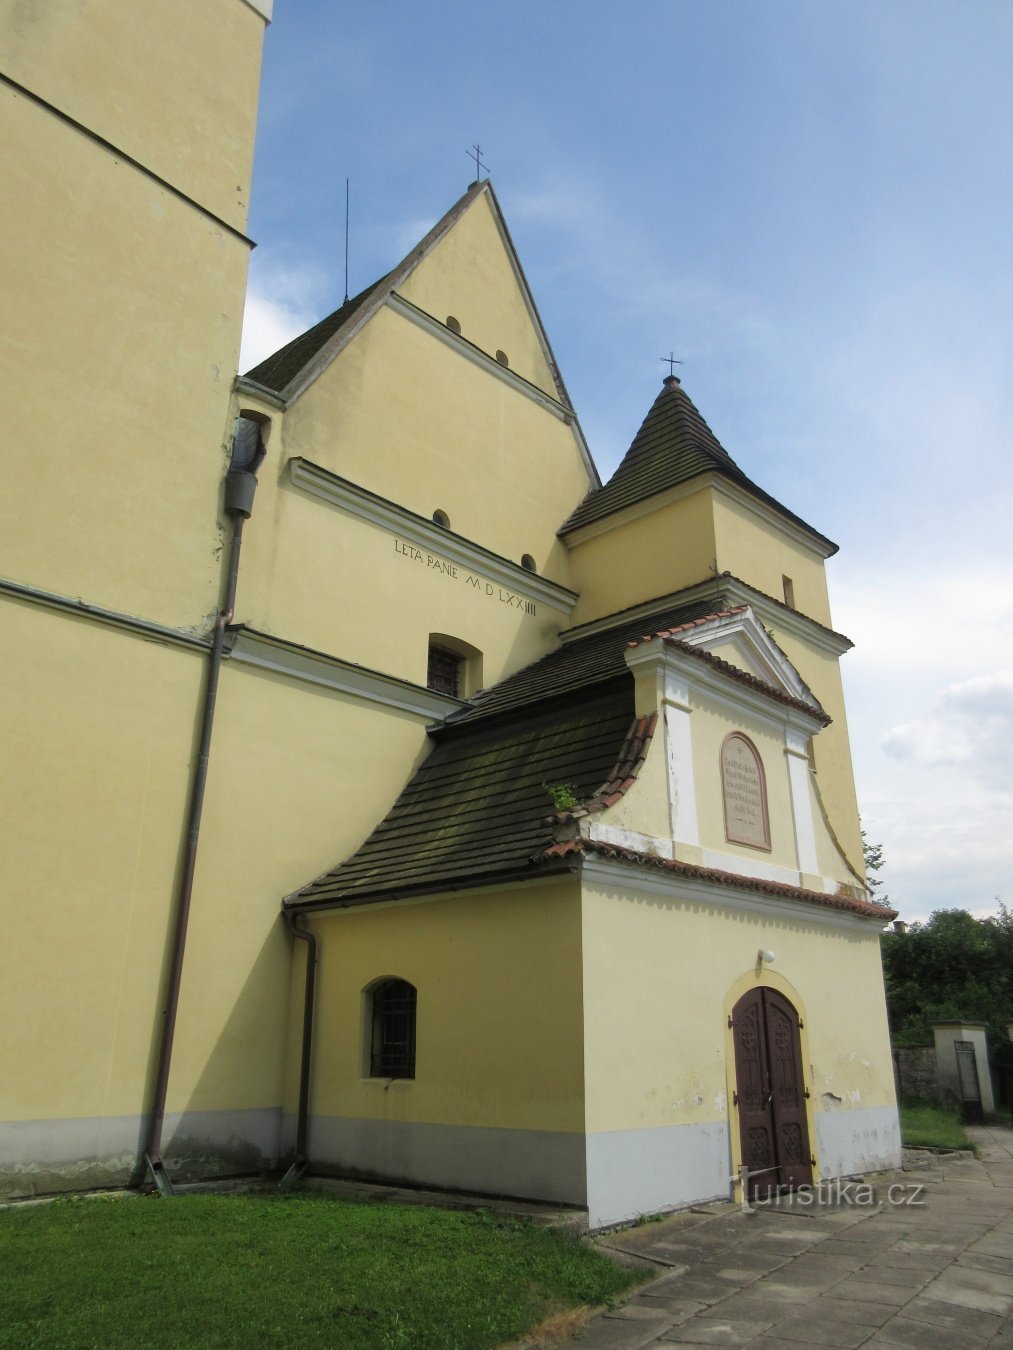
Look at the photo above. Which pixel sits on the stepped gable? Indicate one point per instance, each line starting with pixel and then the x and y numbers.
pixel 673 446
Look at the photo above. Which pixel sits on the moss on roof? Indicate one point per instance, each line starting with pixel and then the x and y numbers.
pixel 281 368
pixel 478 810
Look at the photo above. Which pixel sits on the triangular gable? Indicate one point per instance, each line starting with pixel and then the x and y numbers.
pixel 292 369
pixel 738 640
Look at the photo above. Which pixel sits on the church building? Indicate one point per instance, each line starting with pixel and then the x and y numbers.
pixel 480 825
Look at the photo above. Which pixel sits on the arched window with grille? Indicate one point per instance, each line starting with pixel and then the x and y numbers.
pixel 392 1023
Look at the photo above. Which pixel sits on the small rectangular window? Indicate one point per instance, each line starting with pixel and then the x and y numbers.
pixel 392 1030
pixel 444 671
pixel 789 591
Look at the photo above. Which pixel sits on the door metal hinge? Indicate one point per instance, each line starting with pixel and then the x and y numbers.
pixel 806 1094
pixel 735 1099
pixel 730 1019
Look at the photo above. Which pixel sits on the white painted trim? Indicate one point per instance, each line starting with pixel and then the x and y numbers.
pixel 673 886
pixel 728 592
pixel 150 631
pixel 426 534
pixel 682 813
pixel 806 538
pixel 488 363
pixel 755 646
pixel 723 688
pixel 796 753
pixel 265 8
pixel 750 867
pixel 261 650
pixel 595 828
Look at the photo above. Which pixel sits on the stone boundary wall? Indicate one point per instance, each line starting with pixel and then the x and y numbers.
pixel 914 1071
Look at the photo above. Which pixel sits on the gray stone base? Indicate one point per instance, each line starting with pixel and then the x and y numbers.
pixel 541 1165
pixel 39 1157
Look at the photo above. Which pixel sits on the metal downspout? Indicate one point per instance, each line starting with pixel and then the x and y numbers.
pixel 240 485
pixel 301 1161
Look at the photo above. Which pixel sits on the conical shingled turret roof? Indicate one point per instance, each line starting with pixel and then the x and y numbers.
pixel 673 445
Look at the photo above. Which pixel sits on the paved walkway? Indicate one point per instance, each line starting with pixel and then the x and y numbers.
pixel 932 1269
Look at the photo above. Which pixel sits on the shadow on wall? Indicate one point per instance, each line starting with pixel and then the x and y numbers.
pixel 232 1122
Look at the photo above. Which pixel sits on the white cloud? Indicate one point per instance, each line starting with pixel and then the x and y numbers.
pixel 970 724
pixel 281 303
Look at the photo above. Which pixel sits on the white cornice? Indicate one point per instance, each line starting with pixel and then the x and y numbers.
pixel 475 354
pixel 426 534
pixel 266 652
pixel 491 366
pixel 722 688
pixel 799 534
pixel 244 385
pixel 730 592
pixel 793 621
pixel 754 644
pixel 265 8
pixel 655 880
pixel 192 639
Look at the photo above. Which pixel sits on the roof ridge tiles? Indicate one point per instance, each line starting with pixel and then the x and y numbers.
pixel 624 773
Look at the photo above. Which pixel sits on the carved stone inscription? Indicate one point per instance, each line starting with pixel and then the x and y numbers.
pixel 440 567
pixel 745 793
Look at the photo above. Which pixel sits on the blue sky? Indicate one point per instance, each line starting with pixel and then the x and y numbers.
pixel 811 204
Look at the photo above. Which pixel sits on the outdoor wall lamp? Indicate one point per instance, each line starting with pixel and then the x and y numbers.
pixel 763 958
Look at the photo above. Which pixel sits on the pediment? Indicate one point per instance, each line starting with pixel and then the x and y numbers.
pixel 738 639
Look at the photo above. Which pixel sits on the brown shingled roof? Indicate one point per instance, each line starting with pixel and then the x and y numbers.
pixel 673 445
pixel 476 810
pixel 284 365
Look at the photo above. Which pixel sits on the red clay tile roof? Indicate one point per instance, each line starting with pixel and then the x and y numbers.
pixel 734 672
pixel 673 445
pixel 867 909
pixel 624 772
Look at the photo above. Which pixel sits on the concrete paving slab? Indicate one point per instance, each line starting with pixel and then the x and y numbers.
pixel 813 1329
pixel 880 1273
pixel 706 1330
pixel 948 1289
pixel 934 1274
pixel 870 1291
pixel 901 1333
pixel 871 1315
pixel 938 1314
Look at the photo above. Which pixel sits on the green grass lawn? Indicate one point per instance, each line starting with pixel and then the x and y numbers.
pixel 256 1270
pixel 926 1125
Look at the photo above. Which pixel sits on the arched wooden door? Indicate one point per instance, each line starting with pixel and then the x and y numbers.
pixel 770 1093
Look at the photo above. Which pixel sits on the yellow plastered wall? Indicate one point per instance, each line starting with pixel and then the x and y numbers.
pixel 835 776
pixel 755 550
pixel 174 86
pixel 663 971
pixel 123 309
pixel 344 585
pixel 498 975
pixel 98 733
pixel 299 777
pixel 710 727
pixel 640 559
pixel 762 553
pixel 410 418
pixel 469 275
